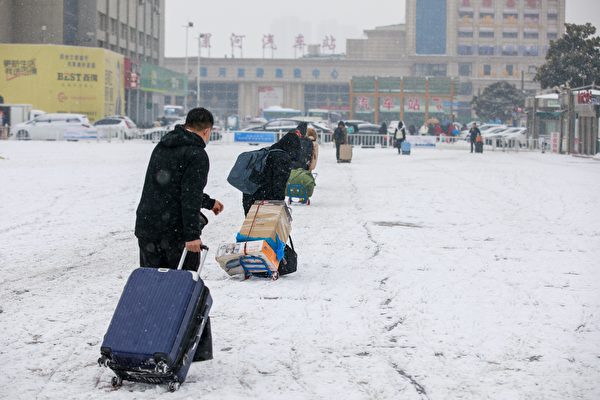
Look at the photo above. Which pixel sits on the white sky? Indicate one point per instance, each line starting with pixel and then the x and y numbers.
pixel 313 18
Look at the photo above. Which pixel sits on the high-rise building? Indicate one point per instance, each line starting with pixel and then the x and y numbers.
pixel 132 28
pixel 484 40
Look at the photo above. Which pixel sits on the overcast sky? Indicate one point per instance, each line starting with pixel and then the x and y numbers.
pixel 315 19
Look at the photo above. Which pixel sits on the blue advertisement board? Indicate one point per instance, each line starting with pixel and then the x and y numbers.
pixel 253 137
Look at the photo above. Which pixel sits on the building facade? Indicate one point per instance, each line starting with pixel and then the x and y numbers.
pixel 470 43
pixel 132 28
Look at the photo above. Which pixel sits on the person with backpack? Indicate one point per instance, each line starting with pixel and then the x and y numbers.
pixel 400 135
pixel 340 136
pixel 276 171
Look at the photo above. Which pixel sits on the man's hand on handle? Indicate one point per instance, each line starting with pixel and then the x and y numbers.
pixel 194 246
pixel 218 207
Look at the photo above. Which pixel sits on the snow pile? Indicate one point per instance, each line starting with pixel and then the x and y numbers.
pixel 440 275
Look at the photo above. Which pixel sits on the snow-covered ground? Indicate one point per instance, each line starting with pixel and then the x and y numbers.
pixel 440 275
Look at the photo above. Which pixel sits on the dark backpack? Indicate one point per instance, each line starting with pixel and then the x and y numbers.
pixel 247 174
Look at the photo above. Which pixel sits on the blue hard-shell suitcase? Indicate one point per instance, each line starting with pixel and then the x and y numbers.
pixel 157 325
pixel 405 147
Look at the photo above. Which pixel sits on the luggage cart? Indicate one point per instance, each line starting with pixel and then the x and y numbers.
pixel 297 193
pixel 255 266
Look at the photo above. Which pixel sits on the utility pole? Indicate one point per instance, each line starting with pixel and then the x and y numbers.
pixel 187 28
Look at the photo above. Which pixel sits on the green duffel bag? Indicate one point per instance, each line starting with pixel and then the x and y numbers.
pixel 303 177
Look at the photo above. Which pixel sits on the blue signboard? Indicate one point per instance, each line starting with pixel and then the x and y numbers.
pixel 253 137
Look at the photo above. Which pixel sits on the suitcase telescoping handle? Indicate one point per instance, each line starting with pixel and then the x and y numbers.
pixel 203 254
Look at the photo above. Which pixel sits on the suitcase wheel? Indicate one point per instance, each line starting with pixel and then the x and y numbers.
pixel 116 381
pixel 173 386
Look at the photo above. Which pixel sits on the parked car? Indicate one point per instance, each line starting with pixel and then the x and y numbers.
pixel 357 134
pixel 515 137
pixel 53 126
pixel 285 124
pixel 114 125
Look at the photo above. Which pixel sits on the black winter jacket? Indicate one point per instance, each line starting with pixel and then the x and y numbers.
pixel 339 135
pixel 277 171
pixel 173 189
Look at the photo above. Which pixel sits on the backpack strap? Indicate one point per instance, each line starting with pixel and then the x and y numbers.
pixel 292 243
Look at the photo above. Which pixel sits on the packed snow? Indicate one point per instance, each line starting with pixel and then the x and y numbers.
pixel 439 275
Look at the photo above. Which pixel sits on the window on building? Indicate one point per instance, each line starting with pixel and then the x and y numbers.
pixel 510 18
pixel 487 70
pixel 531 18
pixel 465 34
pixel 101 43
pixel 486 18
pixel 510 50
pixel 465 69
pixel 465 16
pixel 220 98
pixel 486 50
pixel 531 51
pixel 203 72
pixel 278 73
pixel 123 51
pixel 510 69
pixel 141 38
pixel 530 35
pixel 103 22
pixel 465 49
pixel 260 72
pixel 241 72
pixel 532 69
pixel 532 4
pixel 297 73
pixel 113 26
pixel 552 16
pixel 222 72
pixel 124 31
pixel 486 34
pixel 465 88
pixel 430 69
pixel 132 34
pixel 552 35
pixel 327 96
pixel 510 35
pixel 156 44
pixel 511 3
pixel 149 41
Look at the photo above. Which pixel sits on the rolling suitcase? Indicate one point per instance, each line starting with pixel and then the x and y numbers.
pixel 345 153
pixel 156 328
pixel 405 147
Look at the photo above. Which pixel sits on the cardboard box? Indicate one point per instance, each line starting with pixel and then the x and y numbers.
pixel 229 254
pixel 268 219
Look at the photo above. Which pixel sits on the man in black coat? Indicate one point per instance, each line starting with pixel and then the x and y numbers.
pixel 473 132
pixel 277 170
pixel 168 215
pixel 339 137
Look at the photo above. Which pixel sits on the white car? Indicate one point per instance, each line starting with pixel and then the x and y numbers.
pixel 52 127
pixel 515 136
pixel 116 126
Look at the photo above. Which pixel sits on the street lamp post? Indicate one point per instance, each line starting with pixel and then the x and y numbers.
pixel 187 28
